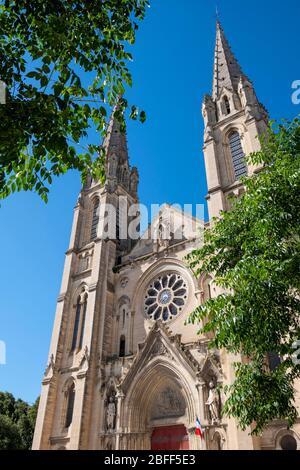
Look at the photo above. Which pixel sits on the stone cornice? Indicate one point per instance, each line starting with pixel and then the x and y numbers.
pixel 214 190
pixel 161 254
pixel 93 287
pixel 82 274
pixel 230 118
pixel 59 439
pixel 62 297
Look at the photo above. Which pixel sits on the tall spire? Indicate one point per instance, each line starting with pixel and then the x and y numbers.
pixel 227 71
pixel 118 170
pixel 115 139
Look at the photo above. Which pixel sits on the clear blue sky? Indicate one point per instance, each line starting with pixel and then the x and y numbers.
pixel 172 70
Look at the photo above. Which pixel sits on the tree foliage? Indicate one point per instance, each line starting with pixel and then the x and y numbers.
pixel 253 251
pixel 64 64
pixel 9 434
pixel 17 422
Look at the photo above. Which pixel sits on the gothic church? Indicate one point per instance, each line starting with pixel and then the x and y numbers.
pixel 124 372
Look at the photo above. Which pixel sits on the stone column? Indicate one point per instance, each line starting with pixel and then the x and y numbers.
pixel 120 397
pixel 75 235
pixel 200 388
pixel 44 420
pixel 192 440
pixel 147 440
pixel 77 413
pixel 100 427
pixel 131 326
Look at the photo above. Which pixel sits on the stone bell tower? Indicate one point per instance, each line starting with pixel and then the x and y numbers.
pixel 233 119
pixel 82 333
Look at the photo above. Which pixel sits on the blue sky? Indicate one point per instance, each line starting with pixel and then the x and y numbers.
pixel 172 70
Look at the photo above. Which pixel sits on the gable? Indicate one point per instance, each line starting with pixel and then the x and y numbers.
pixel 170 227
pixel 160 343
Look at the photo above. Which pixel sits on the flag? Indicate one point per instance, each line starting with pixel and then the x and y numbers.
pixel 199 431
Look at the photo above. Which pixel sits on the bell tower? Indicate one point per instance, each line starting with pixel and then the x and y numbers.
pixel 233 120
pixel 82 337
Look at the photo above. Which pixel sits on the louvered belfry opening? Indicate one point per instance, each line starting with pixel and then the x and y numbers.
pixel 238 156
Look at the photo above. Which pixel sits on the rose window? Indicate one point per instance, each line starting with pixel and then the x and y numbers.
pixel 165 297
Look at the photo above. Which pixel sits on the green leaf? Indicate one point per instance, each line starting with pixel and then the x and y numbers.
pixel 41 47
pixel 253 253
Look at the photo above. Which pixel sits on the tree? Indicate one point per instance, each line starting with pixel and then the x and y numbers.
pixel 26 424
pixel 17 422
pixel 64 63
pixel 10 438
pixel 253 252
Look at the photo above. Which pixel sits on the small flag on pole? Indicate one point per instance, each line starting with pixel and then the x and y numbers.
pixel 199 431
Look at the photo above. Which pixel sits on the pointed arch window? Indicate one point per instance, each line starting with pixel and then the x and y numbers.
pixel 84 307
pixel 95 219
pixel 227 105
pixel 122 346
pixel 79 323
pixel 70 405
pixel 123 317
pixel 237 155
pixel 76 324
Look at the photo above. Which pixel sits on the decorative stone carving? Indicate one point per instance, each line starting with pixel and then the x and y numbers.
pixel 163 235
pixel 85 260
pixel 217 440
pixel 211 370
pixel 202 348
pixel 111 412
pixel 84 358
pixel 125 368
pixel 169 403
pixel 213 403
pixel 159 349
pixel 80 200
pixel 124 282
pixel 50 368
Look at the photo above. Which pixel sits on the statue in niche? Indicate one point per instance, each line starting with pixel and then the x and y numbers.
pixel 213 403
pixel 217 441
pixel 111 413
pixel 163 235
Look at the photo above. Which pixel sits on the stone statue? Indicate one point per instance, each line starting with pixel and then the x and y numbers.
pixel 134 180
pixel 213 403
pixel 163 235
pixel 110 414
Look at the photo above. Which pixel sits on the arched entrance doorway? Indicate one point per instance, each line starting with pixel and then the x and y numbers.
pixel 159 410
pixel 170 438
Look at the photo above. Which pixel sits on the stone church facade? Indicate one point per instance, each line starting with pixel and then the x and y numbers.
pixel 124 370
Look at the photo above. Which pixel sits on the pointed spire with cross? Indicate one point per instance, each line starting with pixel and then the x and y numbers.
pixel 227 71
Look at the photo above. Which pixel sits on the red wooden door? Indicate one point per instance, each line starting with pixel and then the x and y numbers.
pixel 170 438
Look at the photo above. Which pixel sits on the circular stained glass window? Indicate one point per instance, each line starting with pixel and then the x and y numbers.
pixel 165 297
